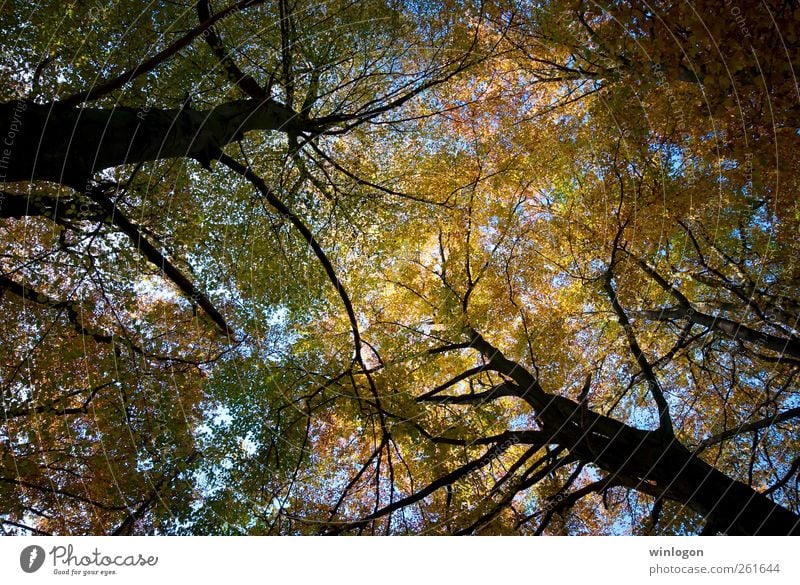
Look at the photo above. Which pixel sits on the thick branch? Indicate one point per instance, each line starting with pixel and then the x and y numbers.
pixel 69 145
pixel 243 81
pixel 127 525
pixel 69 308
pixel 443 481
pixel 506 389
pixel 150 252
pixel 749 427
pixel 644 365
pixel 57 491
pixel 781 345
pixel 648 461
pixel 452 382
pixel 18 205
pixel 100 89
pixel 52 406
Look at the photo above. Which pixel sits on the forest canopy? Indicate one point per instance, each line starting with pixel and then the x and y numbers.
pixel 400 267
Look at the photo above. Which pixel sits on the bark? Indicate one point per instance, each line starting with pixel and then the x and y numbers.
pixel 654 460
pixel 732 329
pixel 63 208
pixel 647 457
pixel 69 145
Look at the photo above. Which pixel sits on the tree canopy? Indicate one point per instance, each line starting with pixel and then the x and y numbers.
pixel 400 267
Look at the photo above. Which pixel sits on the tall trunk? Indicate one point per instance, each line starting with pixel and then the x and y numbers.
pixel 653 457
pixel 781 345
pixel 673 470
pixel 68 145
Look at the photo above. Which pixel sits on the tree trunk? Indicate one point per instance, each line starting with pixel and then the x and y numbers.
pixel 69 145
pixel 655 458
pixel 664 463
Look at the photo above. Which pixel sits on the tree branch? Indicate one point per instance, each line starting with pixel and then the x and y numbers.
pixel 152 254
pixel 665 421
pixel 748 428
pixel 99 89
pixel 732 329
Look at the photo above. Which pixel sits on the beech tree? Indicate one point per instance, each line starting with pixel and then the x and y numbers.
pixel 283 267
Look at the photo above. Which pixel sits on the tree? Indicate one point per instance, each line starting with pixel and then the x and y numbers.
pixel 290 268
